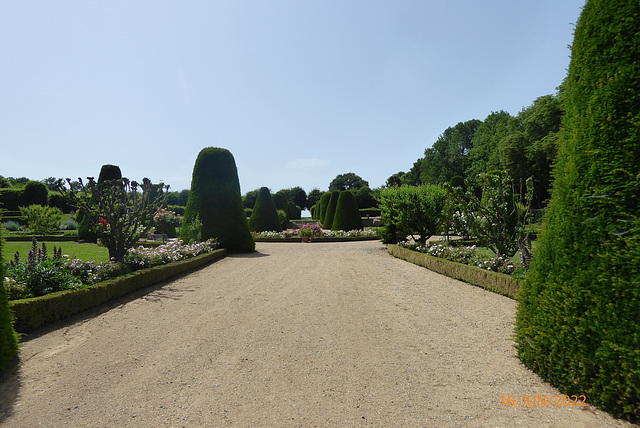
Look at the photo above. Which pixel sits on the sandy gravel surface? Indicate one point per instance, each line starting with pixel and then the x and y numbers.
pixel 320 334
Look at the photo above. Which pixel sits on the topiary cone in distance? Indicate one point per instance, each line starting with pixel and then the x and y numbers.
pixel 347 216
pixel 331 210
pixel 578 319
pixel 215 198
pixel 264 217
pixel 321 206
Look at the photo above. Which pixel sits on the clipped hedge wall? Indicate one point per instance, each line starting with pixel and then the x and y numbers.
pixel 489 280
pixel 36 312
pixel 578 319
pixel 8 337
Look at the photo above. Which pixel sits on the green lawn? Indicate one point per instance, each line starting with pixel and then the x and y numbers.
pixel 74 250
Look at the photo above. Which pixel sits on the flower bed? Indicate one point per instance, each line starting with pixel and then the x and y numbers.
pixel 38 274
pixel 316 234
pixel 468 255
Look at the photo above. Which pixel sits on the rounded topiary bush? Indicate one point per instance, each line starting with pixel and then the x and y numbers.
pixel 8 337
pixel 264 217
pixel 215 201
pixel 347 216
pixel 578 319
pixel 331 210
pixel 34 193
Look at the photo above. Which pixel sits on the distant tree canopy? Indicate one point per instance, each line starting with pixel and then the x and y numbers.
pixel 524 145
pixel 348 181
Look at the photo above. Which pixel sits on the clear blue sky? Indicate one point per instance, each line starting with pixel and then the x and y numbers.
pixel 299 91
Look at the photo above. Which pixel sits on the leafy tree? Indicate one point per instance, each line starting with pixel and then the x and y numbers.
pixel 9 346
pixel 347 181
pixel 297 195
pixel 313 197
pixel 445 159
pixel 394 180
pixel 347 216
pixel 250 198
pixel 215 199
pixel 484 156
pixel 499 217
pixel 412 210
pixel 119 210
pixel 578 319
pixel 264 216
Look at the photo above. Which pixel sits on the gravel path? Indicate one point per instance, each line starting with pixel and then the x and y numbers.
pixel 320 334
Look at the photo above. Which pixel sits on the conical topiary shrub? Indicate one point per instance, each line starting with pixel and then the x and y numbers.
pixel 321 206
pixel 578 319
pixel 347 216
pixel 264 217
pixel 8 337
pixel 215 200
pixel 331 210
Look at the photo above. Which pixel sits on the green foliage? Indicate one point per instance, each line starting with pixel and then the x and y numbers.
pixel 264 217
pixel 330 212
pixel 41 219
pixel 347 181
pixel 10 198
pixel 324 203
pixel 250 198
pixel 412 210
pixel 578 320
pixel 8 338
pixel 35 193
pixel 283 218
pixel 347 216
pixel 120 210
pixel 215 198
pixel 11 225
pixel 313 197
pixel 498 218
pixel 109 172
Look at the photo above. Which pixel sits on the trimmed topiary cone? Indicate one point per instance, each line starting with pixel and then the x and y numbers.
pixel 347 216
pixel 578 322
pixel 215 198
pixel 321 206
pixel 264 217
pixel 331 210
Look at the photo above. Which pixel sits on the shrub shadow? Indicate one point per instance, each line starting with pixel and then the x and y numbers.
pixel 10 385
pixel 252 255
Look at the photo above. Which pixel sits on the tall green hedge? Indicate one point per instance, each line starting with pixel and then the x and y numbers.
pixel 321 206
pixel 347 216
pixel 215 198
pixel 109 172
pixel 264 216
pixel 8 336
pixel 330 212
pixel 578 320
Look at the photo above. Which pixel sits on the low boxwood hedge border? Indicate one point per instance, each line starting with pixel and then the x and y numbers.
pixel 492 281
pixel 36 312
pixel 40 238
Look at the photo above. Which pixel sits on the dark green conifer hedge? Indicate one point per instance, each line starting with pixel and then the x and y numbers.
pixel 215 198
pixel 8 337
pixel 347 216
pixel 264 217
pixel 322 205
pixel 331 209
pixel 578 320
